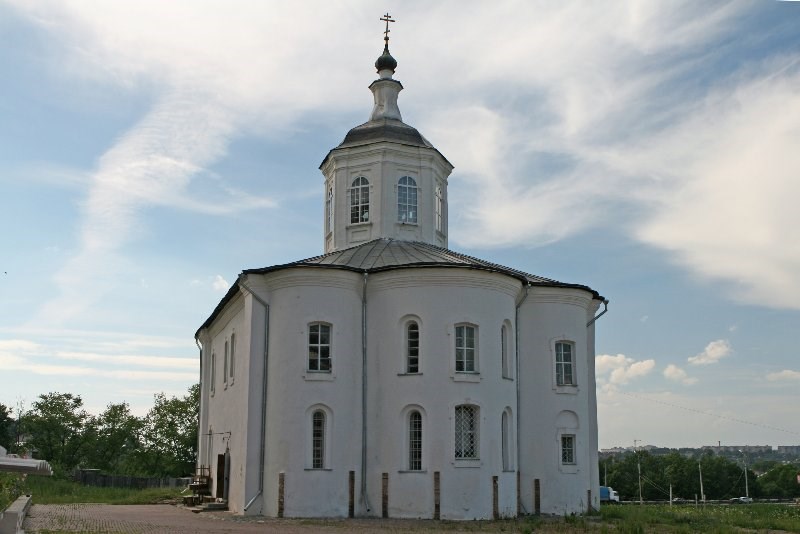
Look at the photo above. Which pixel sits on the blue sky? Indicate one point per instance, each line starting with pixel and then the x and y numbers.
pixel 150 151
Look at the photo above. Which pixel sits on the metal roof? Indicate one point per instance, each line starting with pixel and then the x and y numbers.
pixel 386 254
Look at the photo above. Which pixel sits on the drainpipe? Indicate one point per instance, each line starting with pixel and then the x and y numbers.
pixel 596 317
pixel 262 451
pixel 517 377
pixel 364 497
pixel 199 433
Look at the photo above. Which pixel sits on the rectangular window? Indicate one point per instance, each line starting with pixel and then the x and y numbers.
pixel 564 364
pixel 225 366
pixel 568 449
pixel 319 347
pixel 505 355
pixel 466 438
pixel 213 371
pixel 465 349
pixel 412 348
pixel 415 441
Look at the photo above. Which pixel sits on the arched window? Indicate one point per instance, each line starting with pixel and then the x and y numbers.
pixel 233 355
pixel 329 211
pixel 225 366
pixel 414 441
pixel 213 373
pixel 412 347
pixel 438 207
pixel 318 440
pixel 359 200
pixel 505 430
pixel 407 200
pixel 466 438
pixel 505 352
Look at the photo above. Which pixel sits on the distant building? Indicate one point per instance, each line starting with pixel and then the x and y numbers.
pixel 755 449
pixel 392 376
pixel 789 450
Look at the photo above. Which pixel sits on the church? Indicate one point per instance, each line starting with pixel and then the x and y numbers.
pixel 392 376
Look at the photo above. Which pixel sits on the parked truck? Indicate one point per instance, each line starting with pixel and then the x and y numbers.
pixel 608 495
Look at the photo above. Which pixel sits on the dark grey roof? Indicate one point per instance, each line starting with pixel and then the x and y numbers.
pixel 390 254
pixel 376 131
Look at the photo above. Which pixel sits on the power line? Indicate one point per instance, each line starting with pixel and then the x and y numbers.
pixel 703 412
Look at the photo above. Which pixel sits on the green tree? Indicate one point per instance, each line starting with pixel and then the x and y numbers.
pixel 169 435
pixel 6 427
pixel 780 482
pixel 54 429
pixel 112 439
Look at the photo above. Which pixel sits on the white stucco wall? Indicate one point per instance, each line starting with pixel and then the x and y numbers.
pixel 547 411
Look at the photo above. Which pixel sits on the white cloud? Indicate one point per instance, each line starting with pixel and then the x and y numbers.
pixel 620 369
pixel 713 353
pixel 676 374
pixel 220 284
pixel 786 374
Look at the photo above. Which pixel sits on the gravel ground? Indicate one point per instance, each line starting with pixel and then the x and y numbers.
pixel 162 518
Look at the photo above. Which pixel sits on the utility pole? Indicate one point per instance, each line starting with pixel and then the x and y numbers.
pixel 639 468
pixel 702 492
pixel 746 489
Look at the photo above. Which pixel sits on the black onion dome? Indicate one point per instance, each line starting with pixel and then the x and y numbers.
pixel 386 61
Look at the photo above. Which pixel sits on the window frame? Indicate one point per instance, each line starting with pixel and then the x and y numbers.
pixel 359 194
pixel 506 352
pixel 461 352
pixel 329 211
pixel 462 436
pixel 438 208
pixel 414 440
pixel 213 373
pixel 225 366
pixel 569 446
pixel 232 359
pixel 407 200
pixel 507 440
pixel 319 345
pixel 561 365
pixel 319 430
pixel 409 348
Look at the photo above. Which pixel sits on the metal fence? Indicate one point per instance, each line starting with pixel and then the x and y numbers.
pixel 93 477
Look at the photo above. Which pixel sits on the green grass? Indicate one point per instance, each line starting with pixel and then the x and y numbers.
pixel 48 490
pixel 689 518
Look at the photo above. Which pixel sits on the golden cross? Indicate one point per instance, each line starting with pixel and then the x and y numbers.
pixel 387 18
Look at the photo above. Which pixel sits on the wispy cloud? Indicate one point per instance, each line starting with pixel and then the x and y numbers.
pixel 676 374
pixel 786 374
pixel 713 353
pixel 618 370
pixel 220 284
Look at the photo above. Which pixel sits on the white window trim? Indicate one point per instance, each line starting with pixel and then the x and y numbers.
pixel 329 200
pixel 565 388
pixel 327 438
pixel 225 366
pixel 470 461
pixel 573 467
pixel 461 375
pixel 232 359
pixel 407 348
pixel 507 351
pixel 311 372
pixel 213 373
pixel 369 210
pixel 417 195
pixel 409 467
pixel 507 451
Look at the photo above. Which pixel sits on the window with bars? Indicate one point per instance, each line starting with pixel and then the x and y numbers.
pixel 439 208
pixel 415 441
pixel 407 200
pixel 465 348
pixel 318 440
pixel 466 438
pixel 412 347
pixel 319 347
pixel 565 364
pixel 359 200
pixel 568 449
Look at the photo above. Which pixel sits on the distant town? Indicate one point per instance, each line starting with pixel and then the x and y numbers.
pixel 749 453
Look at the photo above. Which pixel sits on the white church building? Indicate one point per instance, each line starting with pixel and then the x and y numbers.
pixel 391 376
